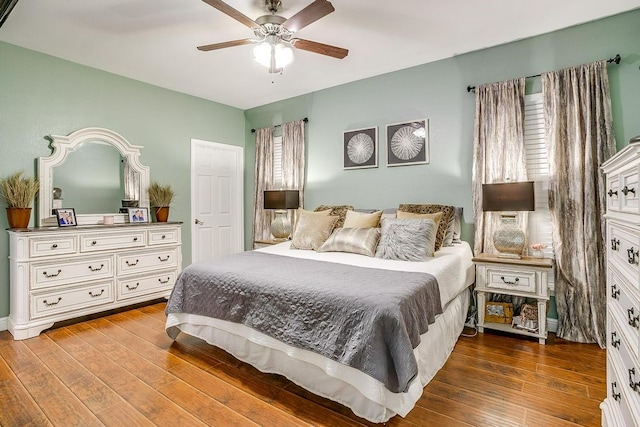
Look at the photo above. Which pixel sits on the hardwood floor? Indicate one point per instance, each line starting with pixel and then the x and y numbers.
pixel 123 370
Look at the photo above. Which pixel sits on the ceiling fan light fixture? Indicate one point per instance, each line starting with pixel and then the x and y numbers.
pixel 266 51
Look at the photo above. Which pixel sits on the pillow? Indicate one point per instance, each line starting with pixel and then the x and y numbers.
pixel 362 220
pixel 361 241
pixel 338 210
pixel 447 213
pixel 325 212
pixel 453 231
pixel 407 239
pixel 390 213
pixel 312 230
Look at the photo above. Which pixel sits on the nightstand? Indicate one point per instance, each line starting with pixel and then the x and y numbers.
pixel 526 277
pixel 264 243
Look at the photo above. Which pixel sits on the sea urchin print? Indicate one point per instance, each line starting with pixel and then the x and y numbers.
pixel 360 148
pixel 405 144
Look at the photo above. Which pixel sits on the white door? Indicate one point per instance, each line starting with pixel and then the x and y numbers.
pixel 216 200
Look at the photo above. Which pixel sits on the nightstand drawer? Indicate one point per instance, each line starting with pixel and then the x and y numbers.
pixel 511 279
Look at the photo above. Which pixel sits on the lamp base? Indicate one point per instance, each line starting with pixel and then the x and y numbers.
pixel 281 226
pixel 509 239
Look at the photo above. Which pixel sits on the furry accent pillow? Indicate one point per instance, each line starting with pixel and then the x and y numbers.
pixel 338 210
pixel 362 220
pixel 447 217
pixel 407 239
pixel 312 230
pixel 361 241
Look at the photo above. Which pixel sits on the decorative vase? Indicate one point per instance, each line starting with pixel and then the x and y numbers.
pixel 162 213
pixel 18 217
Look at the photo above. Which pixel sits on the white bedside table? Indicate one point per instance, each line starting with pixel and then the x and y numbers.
pixel 526 277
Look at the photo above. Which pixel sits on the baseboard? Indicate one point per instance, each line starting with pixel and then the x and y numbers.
pixel 4 321
pixel 552 325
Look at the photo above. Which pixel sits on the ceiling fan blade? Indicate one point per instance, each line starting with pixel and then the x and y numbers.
pixel 232 43
pixel 228 10
pixel 321 48
pixel 308 15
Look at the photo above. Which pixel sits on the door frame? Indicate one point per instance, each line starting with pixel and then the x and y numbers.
pixel 239 202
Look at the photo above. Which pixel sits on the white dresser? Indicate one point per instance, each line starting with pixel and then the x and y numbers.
pixel 622 404
pixel 62 273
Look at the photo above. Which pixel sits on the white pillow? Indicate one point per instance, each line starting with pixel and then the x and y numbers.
pixel 407 239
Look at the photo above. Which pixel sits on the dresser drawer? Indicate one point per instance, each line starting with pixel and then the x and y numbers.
pixel 133 287
pixel 629 190
pixel 163 236
pixel 622 355
pixel 113 241
pixel 54 245
pixel 66 300
pixel 147 261
pixel 624 250
pixel 511 279
pixel 48 274
pixel 616 382
pixel 613 192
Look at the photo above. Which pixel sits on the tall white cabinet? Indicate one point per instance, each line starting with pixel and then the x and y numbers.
pixel 59 274
pixel 622 404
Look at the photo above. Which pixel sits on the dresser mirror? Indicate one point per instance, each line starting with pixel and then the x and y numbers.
pixel 93 170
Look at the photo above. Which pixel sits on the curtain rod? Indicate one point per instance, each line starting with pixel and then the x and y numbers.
pixel 615 59
pixel 306 120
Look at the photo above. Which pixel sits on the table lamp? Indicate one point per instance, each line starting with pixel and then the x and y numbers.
pixel 508 197
pixel 281 200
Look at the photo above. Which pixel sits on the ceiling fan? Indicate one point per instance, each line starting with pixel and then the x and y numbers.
pixel 275 33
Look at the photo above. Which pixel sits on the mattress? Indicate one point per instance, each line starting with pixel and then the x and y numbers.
pixel 365 396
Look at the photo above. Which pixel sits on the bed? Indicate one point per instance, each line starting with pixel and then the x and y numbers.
pixel 378 360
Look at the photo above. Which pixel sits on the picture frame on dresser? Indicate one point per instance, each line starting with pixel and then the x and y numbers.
pixel 66 217
pixel 138 215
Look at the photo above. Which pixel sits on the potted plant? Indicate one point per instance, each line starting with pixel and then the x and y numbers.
pixel 160 197
pixel 18 192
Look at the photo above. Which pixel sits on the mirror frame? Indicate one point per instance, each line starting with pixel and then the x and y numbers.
pixel 62 146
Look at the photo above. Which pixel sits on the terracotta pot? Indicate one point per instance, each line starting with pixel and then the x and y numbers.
pixel 18 217
pixel 162 213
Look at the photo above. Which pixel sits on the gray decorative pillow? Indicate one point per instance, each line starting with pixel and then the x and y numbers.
pixel 407 239
pixel 361 241
pixel 453 228
pixel 312 230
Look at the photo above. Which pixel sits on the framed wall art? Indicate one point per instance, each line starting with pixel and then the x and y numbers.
pixel 408 143
pixel 360 148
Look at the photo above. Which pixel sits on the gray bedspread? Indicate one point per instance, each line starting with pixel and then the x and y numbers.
pixel 369 319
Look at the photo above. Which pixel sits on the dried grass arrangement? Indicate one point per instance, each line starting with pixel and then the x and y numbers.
pixel 160 195
pixel 19 191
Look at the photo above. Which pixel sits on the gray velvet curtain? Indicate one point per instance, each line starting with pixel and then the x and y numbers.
pixel 263 181
pixel 577 107
pixel 293 160
pixel 498 152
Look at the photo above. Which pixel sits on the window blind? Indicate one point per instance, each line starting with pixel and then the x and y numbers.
pixel 277 162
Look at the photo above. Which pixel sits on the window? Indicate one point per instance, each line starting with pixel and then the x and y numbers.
pixel 277 162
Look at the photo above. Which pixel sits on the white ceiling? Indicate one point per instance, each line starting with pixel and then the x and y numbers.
pixel 155 41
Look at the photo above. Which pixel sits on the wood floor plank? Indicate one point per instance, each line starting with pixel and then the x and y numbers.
pixel 123 370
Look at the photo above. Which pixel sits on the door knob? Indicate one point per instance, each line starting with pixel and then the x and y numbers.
pixel 198 222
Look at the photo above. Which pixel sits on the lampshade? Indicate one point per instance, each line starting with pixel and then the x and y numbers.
pixel 508 196
pixel 508 239
pixel 273 55
pixel 281 199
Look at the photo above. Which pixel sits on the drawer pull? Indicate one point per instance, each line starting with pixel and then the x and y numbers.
pixel 48 276
pixel 135 239
pixel 632 376
pixel 615 342
pixel 93 243
pixel 96 295
pixel 131 264
pixel 507 282
pixel 633 320
pixel 626 190
pixel 612 193
pixel 164 281
pixel 615 292
pixel 615 244
pixel 616 396
pixel 133 288
pixel 96 268
pixel 49 304
pixel 164 259
pixel 164 237
pixel 54 246
pixel 633 256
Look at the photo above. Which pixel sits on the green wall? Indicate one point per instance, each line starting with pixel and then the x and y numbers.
pixel 41 95
pixel 437 91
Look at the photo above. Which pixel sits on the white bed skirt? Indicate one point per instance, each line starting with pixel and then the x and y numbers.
pixel 365 396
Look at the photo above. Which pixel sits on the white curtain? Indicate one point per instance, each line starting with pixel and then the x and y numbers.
pixel 263 181
pixel 498 152
pixel 293 160
pixel 579 134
